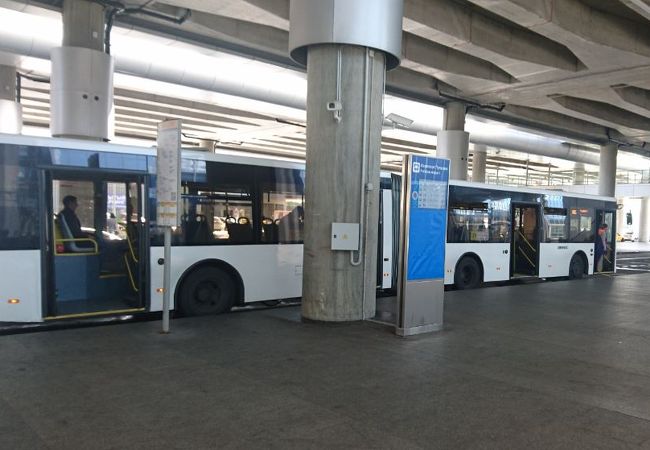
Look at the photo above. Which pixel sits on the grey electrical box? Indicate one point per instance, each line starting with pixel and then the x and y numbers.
pixel 345 236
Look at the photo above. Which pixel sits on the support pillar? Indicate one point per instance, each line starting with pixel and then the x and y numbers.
pixel 453 141
pixel 82 75
pixel 347 52
pixel 478 163
pixel 579 173
pixel 644 220
pixel 11 113
pixel 607 171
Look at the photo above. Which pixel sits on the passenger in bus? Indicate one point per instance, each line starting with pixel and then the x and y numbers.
pixel 601 246
pixel 72 222
pixel 70 216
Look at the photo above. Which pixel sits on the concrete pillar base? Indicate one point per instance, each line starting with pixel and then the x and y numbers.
pixel 454 145
pixel 644 220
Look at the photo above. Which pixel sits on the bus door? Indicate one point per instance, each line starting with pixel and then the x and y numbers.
pixel 607 217
pixel 525 240
pixel 96 248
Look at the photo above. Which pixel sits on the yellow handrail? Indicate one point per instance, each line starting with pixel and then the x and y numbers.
pixel 526 256
pixel 128 271
pixel 526 241
pixel 128 240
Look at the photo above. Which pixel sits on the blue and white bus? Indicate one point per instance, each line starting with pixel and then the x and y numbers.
pixel 241 235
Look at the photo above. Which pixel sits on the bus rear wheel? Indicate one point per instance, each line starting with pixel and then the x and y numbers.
pixel 468 273
pixel 208 290
pixel 576 268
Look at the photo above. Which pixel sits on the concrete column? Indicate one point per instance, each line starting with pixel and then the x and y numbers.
pixel 453 117
pixel 341 184
pixel 607 171
pixel 644 220
pixel 579 173
pixel 83 24
pixel 478 163
pixel 11 117
pixel 8 83
pixel 81 92
pixel 453 141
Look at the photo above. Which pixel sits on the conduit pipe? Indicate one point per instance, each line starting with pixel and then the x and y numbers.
pixel 508 139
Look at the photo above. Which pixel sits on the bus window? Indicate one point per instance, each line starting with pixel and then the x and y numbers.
pixel 468 223
pixel 219 215
pixel 581 225
pixel 282 214
pixel 555 225
pixel 83 192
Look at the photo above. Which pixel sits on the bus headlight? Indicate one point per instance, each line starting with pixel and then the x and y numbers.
pixel 13 301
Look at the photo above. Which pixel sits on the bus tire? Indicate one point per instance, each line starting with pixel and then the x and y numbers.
pixel 468 273
pixel 576 267
pixel 208 290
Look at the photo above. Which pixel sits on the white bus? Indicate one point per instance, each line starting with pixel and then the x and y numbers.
pixel 499 233
pixel 241 235
pixel 240 239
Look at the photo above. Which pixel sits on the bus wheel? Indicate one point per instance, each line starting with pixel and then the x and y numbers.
pixel 468 273
pixel 208 290
pixel 576 268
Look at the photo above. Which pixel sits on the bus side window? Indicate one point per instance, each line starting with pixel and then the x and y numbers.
pixel 555 225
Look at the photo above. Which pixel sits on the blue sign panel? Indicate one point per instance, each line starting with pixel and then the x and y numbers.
pixel 427 218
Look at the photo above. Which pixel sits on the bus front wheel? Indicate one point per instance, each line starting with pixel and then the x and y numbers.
pixel 468 273
pixel 207 290
pixel 576 268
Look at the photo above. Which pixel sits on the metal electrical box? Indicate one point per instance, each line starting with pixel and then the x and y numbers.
pixel 345 236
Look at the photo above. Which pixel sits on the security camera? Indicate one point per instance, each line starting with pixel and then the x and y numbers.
pixel 334 106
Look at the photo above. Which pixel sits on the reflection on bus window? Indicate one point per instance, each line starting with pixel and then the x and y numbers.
pixel 481 222
pixel 581 225
pixel 555 225
pixel 221 215
pixel 282 214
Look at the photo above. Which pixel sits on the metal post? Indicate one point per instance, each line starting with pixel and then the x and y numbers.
pixel 167 278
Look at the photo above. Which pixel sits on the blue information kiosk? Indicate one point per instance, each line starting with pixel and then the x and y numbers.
pixel 423 228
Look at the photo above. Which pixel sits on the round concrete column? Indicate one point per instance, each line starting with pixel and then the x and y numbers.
pixel 347 46
pixel 479 160
pixel 644 220
pixel 342 181
pixel 579 173
pixel 81 90
pixel 607 171
pixel 453 141
pixel 11 117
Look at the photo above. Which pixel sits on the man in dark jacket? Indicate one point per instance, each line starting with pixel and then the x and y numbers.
pixel 70 217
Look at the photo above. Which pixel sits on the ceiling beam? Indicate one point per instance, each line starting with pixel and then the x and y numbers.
pixel 451 23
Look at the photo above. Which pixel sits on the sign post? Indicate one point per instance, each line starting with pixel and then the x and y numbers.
pixel 168 207
pixel 423 228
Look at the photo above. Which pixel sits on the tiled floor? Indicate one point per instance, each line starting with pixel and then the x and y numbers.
pixel 546 365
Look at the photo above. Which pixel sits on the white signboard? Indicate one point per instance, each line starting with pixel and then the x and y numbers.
pixel 168 173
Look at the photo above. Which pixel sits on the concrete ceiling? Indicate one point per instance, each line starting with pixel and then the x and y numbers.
pixel 575 68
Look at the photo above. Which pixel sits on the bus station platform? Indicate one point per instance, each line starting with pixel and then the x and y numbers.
pixel 546 365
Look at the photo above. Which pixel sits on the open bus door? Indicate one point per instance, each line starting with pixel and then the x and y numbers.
pixel 95 255
pixel 525 240
pixel 609 258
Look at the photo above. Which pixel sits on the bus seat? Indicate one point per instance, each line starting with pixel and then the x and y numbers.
pixel 240 233
pixel 62 234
